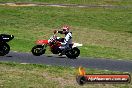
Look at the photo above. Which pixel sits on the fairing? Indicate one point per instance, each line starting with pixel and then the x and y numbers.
pixel 41 42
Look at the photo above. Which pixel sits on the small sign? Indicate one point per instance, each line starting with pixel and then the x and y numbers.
pixel 83 78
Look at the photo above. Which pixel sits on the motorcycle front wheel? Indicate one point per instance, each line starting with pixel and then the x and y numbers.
pixel 38 50
pixel 4 49
pixel 73 53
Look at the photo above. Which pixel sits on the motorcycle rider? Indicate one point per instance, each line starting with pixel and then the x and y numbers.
pixel 67 43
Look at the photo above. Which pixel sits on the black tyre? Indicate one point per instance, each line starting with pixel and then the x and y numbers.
pixel 73 53
pixel 38 50
pixel 4 49
pixel 81 80
pixel 76 51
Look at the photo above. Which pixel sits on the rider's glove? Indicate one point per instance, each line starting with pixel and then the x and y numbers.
pixel 58 43
pixel 55 31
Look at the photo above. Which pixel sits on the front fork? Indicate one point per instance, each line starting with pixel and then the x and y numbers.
pixel 44 46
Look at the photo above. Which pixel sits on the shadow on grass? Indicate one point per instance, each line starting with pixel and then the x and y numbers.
pixel 128 31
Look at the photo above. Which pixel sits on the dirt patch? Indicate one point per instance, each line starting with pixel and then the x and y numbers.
pixel 19 4
pixel 63 5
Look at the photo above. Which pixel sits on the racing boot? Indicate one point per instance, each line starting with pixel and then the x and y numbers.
pixel 62 53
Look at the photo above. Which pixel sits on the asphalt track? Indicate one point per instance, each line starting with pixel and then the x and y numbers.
pixel 103 64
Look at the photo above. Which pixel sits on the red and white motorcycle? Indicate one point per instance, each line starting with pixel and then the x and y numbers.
pixel 54 44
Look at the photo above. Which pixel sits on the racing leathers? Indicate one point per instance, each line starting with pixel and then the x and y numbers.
pixel 67 40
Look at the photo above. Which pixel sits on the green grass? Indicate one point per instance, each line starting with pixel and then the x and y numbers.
pixel 105 52
pixel 94 2
pixel 14 75
pixel 104 32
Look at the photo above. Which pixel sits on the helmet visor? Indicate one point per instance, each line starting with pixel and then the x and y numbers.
pixel 64 29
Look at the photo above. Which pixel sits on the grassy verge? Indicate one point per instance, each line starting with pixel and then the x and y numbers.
pixel 95 2
pixel 104 32
pixel 14 75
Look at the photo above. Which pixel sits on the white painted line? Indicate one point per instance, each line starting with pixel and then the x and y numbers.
pixel 81 6
pixel 106 70
pixel 56 5
pixel 72 67
pixel 24 63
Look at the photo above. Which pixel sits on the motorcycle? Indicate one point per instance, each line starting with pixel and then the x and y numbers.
pixel 54 43
pixel 4 47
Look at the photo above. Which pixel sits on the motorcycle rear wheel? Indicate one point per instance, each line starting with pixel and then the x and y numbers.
pixel 38 50
pixel 4 49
